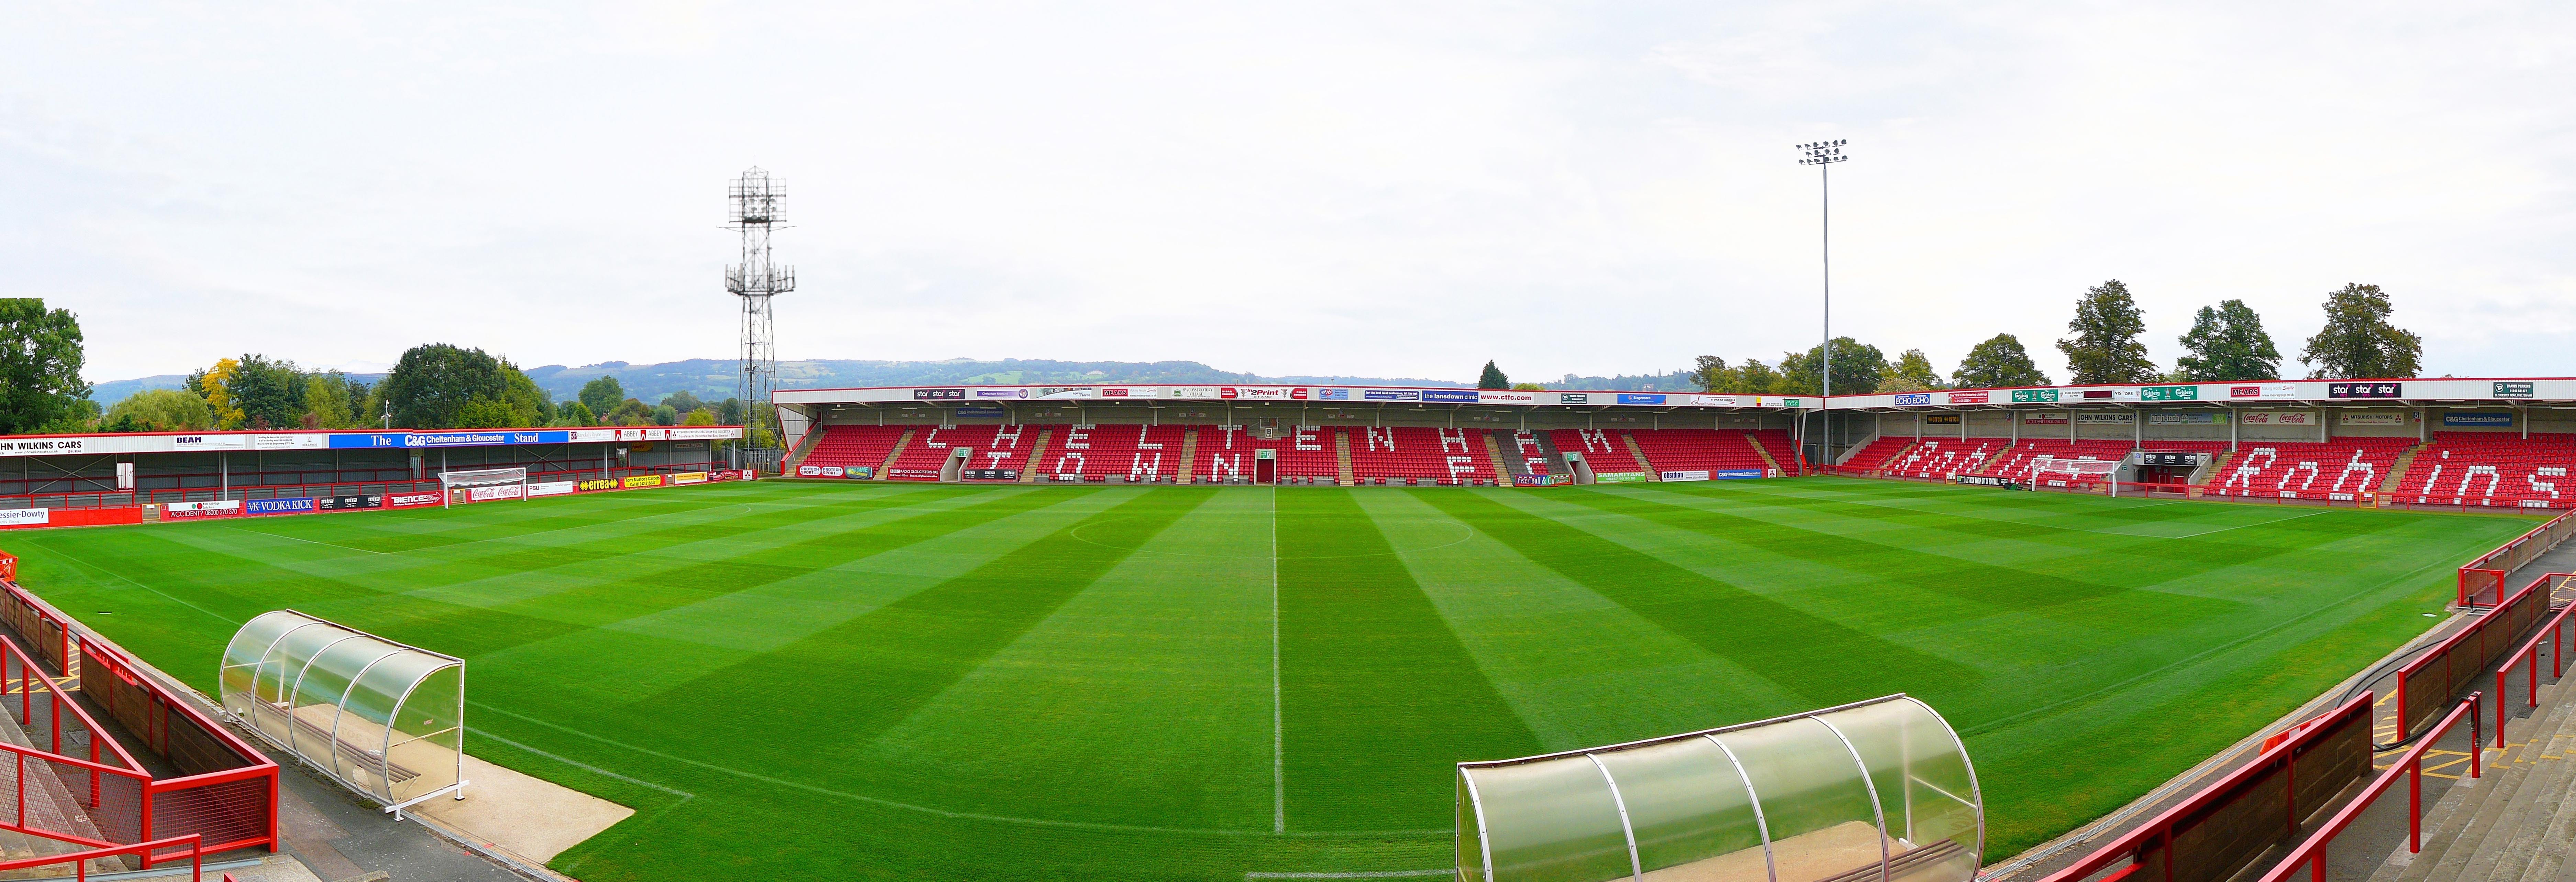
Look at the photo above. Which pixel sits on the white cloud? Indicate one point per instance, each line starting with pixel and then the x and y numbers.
pixel 1357 190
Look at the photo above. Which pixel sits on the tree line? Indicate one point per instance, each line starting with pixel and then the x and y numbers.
pixel 433 386
pixel 2226 343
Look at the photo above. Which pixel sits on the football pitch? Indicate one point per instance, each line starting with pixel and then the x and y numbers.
pixel 805 680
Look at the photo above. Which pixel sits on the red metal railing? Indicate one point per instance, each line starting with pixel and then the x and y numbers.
pixel 2311 853
pixel 2553 629
pixel 2155 839
pixel 196 855
pixel 2427 683
pixel 2490 569
pixel 229 800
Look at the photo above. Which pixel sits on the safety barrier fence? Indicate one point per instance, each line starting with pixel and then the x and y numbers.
pixel 223 793
pixel 2225 826
pixel 195 853
pixel 2311 852
pixel 2485 576
pixel 2552 630
pixel 2426 684
pixel 89 499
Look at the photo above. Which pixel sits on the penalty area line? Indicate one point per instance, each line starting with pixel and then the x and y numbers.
pixel 1376 874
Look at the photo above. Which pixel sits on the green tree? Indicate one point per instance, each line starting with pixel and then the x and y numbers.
pixel 1912 373
pixel 1858 368
pixel 331 401
pixel 161 410
pixel 682 401
pixel 430 386
pixel 1493 378
pixel 530 405
pixel 2227 343
pixel 699 417
pixel 210 383
pixel 603 394
pixel 665 415
pixel 40 363
pixel 1997 363
pixel 729 413
pixel 2105 348
pixel 628 413
pixel 269 393
pixel 2358 342
pixel 575 414
pixel 486 412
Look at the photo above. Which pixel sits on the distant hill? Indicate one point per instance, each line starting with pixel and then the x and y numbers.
pixel 713 379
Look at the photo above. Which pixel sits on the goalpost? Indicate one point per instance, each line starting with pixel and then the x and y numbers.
pixel 2076 474
pixel 482 485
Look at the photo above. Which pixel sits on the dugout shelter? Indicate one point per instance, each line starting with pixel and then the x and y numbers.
pixel 384 719
pixel 1875 791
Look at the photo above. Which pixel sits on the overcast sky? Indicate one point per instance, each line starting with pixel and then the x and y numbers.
pixel 1372 189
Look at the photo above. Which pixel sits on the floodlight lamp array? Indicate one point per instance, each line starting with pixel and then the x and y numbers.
pixel 1822 152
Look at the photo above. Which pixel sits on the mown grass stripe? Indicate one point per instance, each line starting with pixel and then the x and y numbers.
pixel 1380 698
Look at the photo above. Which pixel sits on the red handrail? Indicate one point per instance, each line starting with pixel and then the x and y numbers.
pixel 80 859
pixel 2552 629
pixel 2312 852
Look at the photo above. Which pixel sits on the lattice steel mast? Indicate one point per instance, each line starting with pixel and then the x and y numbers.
pixel 755 280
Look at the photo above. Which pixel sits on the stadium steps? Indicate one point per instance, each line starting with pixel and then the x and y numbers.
pixel 1494 453
pixel 813 439
pixel 1037 454
pixel 1189 454
pixel 2495 828
pixel 885 470
pixel 2397 470
pixel 1767 460
pixel 51 805
pixel 2217 466
pixel 1553 455
pixel 1639 451
pixel 1342 456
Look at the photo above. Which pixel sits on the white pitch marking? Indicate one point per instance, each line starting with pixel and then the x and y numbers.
pixel 1278 718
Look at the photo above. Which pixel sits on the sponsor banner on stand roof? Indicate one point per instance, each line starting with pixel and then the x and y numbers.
pixel 410 500
pixel 2278 418
pixel 1131 391
pixel 209 509
pixel 2495 420
pixel 1905 398
pixel 2034 396
pixel 2169 393
pixel 1686 475
pixel 1001 393
pixel 705 433
pixel 2187 418
pixel 1452 396
pixel 1736 474
pixel 1063 392
pixel 549 488
pixel 1505 396
pixel 1771 401
pixel 297 505
pixel 1713 400
pixel 2373 419
pixel 1390 395
pixel 44 446
pixel 2121 394
pixel 2264 390
pixel 640 481
pixel 26 517
pixel 694 478
pixel 1977 397
pixel 953 394
pixel 1574 398
pixel 1332 394
pixel 2374 389
pixel 1193 392
pixel 2513 389
pixel 1640 398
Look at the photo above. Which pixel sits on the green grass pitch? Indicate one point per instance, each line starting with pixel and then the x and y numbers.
pixel 800 680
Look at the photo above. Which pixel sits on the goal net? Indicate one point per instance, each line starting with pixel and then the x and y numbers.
pixel 2075 473
pixel 483 485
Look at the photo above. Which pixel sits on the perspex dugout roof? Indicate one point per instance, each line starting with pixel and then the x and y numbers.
pixel 1876 791
pixel 383 718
